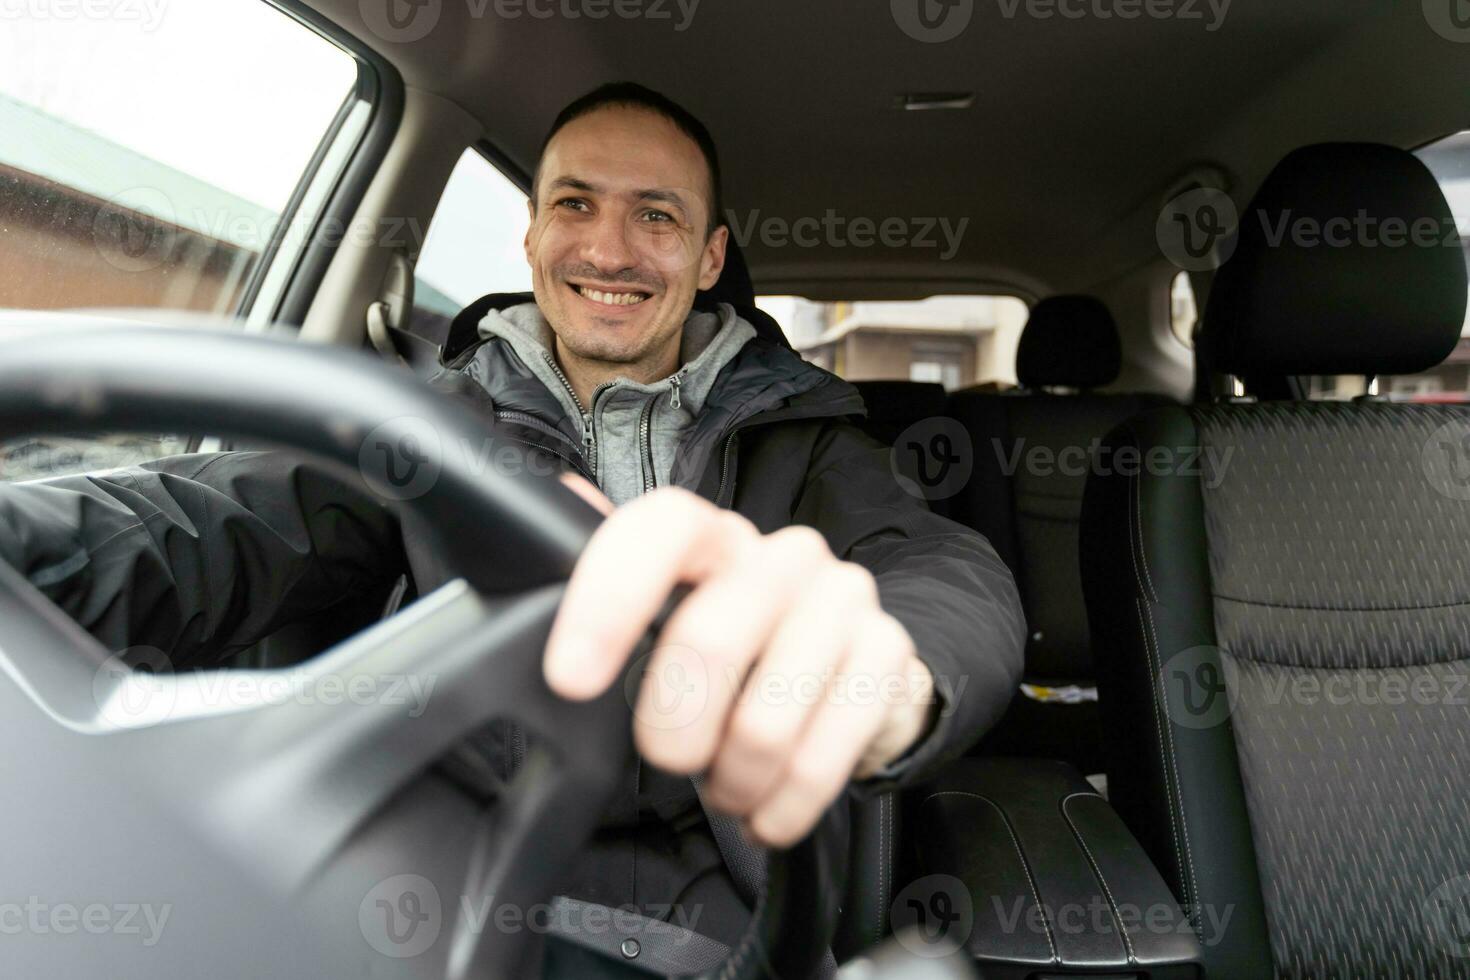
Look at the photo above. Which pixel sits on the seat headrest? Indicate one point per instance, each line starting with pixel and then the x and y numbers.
pixel 1345 262
pixel 1069 341
pixel 736 288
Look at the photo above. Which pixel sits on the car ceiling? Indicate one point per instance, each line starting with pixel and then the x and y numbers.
pixel 1079 130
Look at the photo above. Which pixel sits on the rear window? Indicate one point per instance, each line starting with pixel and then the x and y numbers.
pixel 1449 160
pixel 957 341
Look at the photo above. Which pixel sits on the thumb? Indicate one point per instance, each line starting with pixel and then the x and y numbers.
pixel 585 489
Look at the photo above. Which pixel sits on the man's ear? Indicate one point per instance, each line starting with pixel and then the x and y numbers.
pixel 712 260
pixel 530 227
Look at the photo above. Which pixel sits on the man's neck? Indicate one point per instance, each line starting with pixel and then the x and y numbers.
pixel 586 375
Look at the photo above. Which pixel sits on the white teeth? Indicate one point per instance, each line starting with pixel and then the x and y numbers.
pixel 612 299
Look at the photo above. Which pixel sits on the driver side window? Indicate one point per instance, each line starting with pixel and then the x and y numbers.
pixel 149 161
pixel 474 246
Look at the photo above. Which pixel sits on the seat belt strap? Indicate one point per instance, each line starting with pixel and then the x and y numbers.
pixel 747 863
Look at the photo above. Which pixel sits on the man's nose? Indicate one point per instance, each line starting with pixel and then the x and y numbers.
pixel 606 246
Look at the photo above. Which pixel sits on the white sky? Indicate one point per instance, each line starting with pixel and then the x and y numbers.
pixel 474 244
pixel 233 92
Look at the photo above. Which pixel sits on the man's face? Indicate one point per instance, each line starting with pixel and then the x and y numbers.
pixel 618 242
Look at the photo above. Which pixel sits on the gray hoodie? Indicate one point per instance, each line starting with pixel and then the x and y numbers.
pixel 631 430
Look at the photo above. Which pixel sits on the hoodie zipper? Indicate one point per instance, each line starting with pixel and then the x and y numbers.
pixel 532 422
pixel 589 436
pixel 725 467
pixel 645 429
pixel 645 441
pixel 763 418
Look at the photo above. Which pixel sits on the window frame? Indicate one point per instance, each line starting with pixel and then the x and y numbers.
pixel 1182 274
pixel 494 157
pixel 380 87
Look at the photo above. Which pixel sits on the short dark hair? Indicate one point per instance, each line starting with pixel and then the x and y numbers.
pixel 633 95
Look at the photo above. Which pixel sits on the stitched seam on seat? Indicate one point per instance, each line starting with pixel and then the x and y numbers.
pixel 885 807
pixel 1344 668
pixel 1134 537
pixel 1021 855
pixel 1097 870
pixel 1346 609
pixel 1138 531
pixel 1177 798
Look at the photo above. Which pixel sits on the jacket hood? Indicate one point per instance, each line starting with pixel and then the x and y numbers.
pixel 764 375
pixel 710 340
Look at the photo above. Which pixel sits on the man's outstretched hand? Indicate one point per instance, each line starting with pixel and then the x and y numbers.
pixel 779 674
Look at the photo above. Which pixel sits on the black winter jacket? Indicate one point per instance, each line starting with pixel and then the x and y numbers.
pixel 202 555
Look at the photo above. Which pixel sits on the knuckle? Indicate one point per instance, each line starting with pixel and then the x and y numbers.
pixel 891 637
pixel 672 502
pixel 759 742
pixel 815 781
pixel 851 580
pixel 679 755
pixel 737 525
pixel 802 544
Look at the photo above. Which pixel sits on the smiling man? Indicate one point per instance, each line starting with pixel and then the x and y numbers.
pixel 722 451
pixel 836 635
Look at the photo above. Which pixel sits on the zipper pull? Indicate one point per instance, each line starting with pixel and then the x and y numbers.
pixel 588 438
pixel 674 384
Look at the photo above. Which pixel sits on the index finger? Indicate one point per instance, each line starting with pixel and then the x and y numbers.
pixel 634 560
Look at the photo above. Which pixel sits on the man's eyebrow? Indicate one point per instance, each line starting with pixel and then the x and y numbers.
pixel 660 194
pixel 573 183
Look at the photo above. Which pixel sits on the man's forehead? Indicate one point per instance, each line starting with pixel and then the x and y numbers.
pixel 620 149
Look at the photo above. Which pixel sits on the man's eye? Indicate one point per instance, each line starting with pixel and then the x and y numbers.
pixel 574 203
pixel 657 216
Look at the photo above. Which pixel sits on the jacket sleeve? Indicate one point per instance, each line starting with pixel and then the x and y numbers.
pixel 941 580
pixel 201 555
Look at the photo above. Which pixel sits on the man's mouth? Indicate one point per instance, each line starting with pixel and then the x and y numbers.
pixel 611 297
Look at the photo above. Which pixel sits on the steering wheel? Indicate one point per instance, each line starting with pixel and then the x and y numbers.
pixel 277 830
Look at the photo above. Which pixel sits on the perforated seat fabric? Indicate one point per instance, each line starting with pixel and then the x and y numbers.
pixel 1263 624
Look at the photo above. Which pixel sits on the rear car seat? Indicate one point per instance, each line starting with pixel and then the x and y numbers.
pixel 894 406
pixel 1033 449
